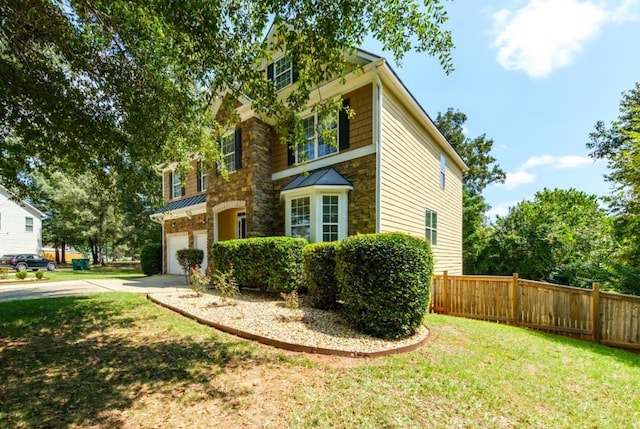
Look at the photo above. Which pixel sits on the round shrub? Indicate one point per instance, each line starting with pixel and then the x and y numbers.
pixel 320 274
pixel 384 281
pixel 189 258
pixel 21 275
pixel 151 259
pixel 274 264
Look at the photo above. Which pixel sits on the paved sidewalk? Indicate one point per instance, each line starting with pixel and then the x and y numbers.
pixel 31 290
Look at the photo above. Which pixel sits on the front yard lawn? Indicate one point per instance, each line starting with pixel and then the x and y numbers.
pixel 117 360
pixel 62 274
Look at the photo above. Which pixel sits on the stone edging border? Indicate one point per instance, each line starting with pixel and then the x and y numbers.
pixel 292 346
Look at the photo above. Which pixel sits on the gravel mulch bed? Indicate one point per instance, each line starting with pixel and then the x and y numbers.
pixel 266 316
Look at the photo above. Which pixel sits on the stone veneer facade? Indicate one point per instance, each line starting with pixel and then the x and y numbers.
pixel 361 172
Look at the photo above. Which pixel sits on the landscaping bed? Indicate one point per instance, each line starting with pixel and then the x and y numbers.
pixel 265 318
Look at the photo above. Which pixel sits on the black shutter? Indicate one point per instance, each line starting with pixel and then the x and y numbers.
pixel 171 185
pixel 238 148
pixel 270 72
pixel 291 154
pixel 294 73
pixel 343 127
pixel 199 177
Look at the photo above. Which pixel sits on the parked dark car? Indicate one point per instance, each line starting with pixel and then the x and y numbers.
pixel 27 261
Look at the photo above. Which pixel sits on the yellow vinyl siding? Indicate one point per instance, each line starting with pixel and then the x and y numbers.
pixel 410 183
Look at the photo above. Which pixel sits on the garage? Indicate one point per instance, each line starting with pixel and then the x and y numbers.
pixel 200 242
pixel 175 243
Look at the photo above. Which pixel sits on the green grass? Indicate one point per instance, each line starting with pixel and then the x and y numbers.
pixel 63 274
pixel 116 360
pixel 481 375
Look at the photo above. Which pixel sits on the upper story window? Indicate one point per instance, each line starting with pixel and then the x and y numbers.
pixel 443 170
pixel 28 224
pixel 228 152
pixel 314 145
pixel 231 151
pixel 282 73
pixel 431 226
pixel 177 190
pixel 202 176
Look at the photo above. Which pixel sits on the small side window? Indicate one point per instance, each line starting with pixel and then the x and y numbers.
pixel 431 226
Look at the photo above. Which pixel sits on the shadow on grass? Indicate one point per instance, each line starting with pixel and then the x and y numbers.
pixel 70 361
pixel 624 356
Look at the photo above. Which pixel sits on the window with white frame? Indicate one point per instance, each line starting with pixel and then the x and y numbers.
pixel 202 176
pixel 228 152
pixel 176 185
pixel 316 213
pixel 314 145
pixel 431 226
pixel 330 217
pixel 28 224
pixel 443 170
pixel 300 215
pixel 282 73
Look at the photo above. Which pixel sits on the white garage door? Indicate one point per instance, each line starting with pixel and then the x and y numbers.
pixel 174 244
pixel 200 242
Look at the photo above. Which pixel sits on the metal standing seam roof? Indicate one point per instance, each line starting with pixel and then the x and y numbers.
pixel 326 177
pixel 181 204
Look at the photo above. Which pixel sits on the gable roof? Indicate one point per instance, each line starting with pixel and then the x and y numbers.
pixel 326 177
pixel 22 203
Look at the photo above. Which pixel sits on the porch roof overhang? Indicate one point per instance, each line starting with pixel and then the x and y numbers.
pixel 185 207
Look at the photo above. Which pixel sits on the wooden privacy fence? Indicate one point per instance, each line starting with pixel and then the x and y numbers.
pixel 590 314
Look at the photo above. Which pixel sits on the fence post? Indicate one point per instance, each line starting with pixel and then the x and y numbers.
pixel 515 299
pixel 445 287
pixel 595 312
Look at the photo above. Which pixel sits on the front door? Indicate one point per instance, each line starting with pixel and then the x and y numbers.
pixel 241 225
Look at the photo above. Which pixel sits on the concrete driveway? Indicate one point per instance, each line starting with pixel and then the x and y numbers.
pixel 10 292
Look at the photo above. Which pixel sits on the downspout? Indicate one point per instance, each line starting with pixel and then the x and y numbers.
pixel 377 136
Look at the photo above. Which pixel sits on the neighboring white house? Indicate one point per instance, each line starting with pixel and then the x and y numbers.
pixel 20 226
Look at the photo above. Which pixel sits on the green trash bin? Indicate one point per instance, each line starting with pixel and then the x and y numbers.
pixel 80 264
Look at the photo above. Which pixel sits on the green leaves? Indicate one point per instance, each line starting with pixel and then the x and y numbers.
pixel 107 84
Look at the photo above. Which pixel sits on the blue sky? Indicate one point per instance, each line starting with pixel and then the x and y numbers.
pixel 535 76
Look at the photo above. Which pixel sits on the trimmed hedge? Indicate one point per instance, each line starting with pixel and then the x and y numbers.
pixel 151 259
pixel 320 274
pixel 274 264
pixel 189 258
pixel 384 280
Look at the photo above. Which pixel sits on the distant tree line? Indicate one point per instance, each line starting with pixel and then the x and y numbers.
pixel 562 236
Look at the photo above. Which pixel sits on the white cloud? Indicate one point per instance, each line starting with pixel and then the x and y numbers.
pixel 513 180
pixel 625 11
pixel 545 35
pixel 501 209
pixel 558 162
pixel 565 162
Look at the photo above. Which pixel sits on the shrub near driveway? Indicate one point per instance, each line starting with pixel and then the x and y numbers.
pixel 384 280
pixel 273 264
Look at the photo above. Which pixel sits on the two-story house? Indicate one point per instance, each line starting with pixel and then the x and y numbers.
pixel 390 170
pixel 20 226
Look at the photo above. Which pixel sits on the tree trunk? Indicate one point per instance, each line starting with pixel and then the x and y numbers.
pixel 57 254
pixel 95 253
pixel 64 252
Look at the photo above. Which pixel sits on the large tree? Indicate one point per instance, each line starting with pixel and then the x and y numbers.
pixel 619 144
pixel 82 215
pixel 562 236
pixel 483 170
pixel 104 85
